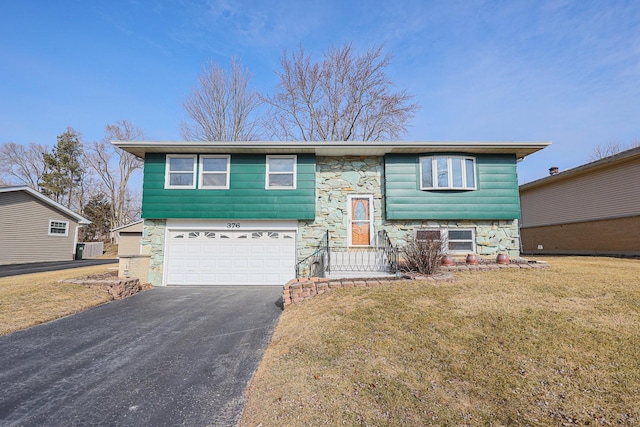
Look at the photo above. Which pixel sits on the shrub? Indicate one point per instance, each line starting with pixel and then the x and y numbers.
pixel 423 255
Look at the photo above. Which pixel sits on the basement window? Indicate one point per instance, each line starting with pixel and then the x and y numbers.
pixel 458 240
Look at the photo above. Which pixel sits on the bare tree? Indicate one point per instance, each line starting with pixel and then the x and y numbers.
pixel 20 164
pixel 345 97
pixel 609 149
pixel 115 167
pixel 222 107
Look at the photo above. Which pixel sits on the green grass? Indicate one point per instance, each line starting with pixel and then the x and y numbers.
pixel 509 347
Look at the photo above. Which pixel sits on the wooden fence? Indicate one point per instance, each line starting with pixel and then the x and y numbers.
pixel 92 249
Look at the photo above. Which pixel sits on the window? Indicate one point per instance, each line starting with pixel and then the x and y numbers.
pixel 214 172
pixel 460 241
pixel 457 240
pixel 58 228
pixel 181 171
pixel 281 172
pixel 447 173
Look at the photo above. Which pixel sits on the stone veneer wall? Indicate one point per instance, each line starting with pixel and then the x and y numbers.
pixel 492 237
pixel 152 244
pixel 338 177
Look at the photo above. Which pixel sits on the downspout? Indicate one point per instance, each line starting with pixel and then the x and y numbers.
pixel 75 241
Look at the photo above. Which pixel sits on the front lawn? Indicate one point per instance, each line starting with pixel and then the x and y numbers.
pixel 555 346
pixel 30 299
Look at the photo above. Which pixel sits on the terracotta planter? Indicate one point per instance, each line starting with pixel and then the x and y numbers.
pixel 502 259
pixel 472 259
pixel 447 260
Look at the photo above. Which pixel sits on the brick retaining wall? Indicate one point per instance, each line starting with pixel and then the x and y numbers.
pixel 116 288
pixel 298 290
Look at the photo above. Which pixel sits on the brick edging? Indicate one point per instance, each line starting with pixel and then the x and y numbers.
pixel 298 290
pixel 301 289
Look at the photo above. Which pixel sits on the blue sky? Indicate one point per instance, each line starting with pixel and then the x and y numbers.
pixel 542 70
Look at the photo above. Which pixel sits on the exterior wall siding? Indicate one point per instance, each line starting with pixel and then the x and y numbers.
pixel 496 196
pixel 620 236
pixel 246 197
pixel 24 231
pixel 604 193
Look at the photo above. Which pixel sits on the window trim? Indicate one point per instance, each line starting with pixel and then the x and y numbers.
pixel 58 221
pixel 294 172
pixel 444 234
pixel 202 172
pixel 167 176
pixel 434 173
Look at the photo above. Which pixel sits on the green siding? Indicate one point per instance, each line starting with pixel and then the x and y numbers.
pixel 246 197
pixel 496 197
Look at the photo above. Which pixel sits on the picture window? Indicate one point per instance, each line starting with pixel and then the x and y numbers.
pixel 447 173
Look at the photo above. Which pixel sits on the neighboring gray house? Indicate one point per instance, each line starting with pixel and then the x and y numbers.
pixel 593 209
pixel 34 228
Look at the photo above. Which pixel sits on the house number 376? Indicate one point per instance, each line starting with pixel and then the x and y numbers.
pixel 233 225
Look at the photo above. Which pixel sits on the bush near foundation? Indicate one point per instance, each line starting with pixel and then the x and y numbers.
pixel 423 255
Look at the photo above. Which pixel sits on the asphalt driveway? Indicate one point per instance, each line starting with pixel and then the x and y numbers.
pixel 165 357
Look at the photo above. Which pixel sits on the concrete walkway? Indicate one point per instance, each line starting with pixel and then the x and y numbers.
pixel 165 357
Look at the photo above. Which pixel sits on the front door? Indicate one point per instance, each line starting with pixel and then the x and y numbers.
pixel 360 220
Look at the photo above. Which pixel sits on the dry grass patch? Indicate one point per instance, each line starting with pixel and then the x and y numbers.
pixel 556 346
pixel 31 299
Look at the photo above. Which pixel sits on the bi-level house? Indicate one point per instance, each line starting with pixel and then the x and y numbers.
pixel 256 212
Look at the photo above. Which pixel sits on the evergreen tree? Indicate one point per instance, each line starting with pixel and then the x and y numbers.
pixel 98 211
pixel 63 169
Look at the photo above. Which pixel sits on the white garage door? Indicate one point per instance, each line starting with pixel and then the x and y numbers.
pixel 204 257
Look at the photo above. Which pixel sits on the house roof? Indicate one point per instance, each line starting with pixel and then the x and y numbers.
pixel 329 148
pixel 127 225
pixel 81 220
pixel 606 162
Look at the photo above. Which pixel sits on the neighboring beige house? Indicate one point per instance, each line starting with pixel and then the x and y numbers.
pixel 34 228
pixel 127 237
pixel 132 263
pixel 592 209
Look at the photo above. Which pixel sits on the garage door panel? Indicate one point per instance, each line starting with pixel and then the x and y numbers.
pixel 205 257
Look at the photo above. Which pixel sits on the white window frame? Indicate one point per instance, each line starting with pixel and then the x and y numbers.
pixel 168 171
pixel 449 186
pixel 444 234
pixel 202 172
pixel 57 222
pixel 268 173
